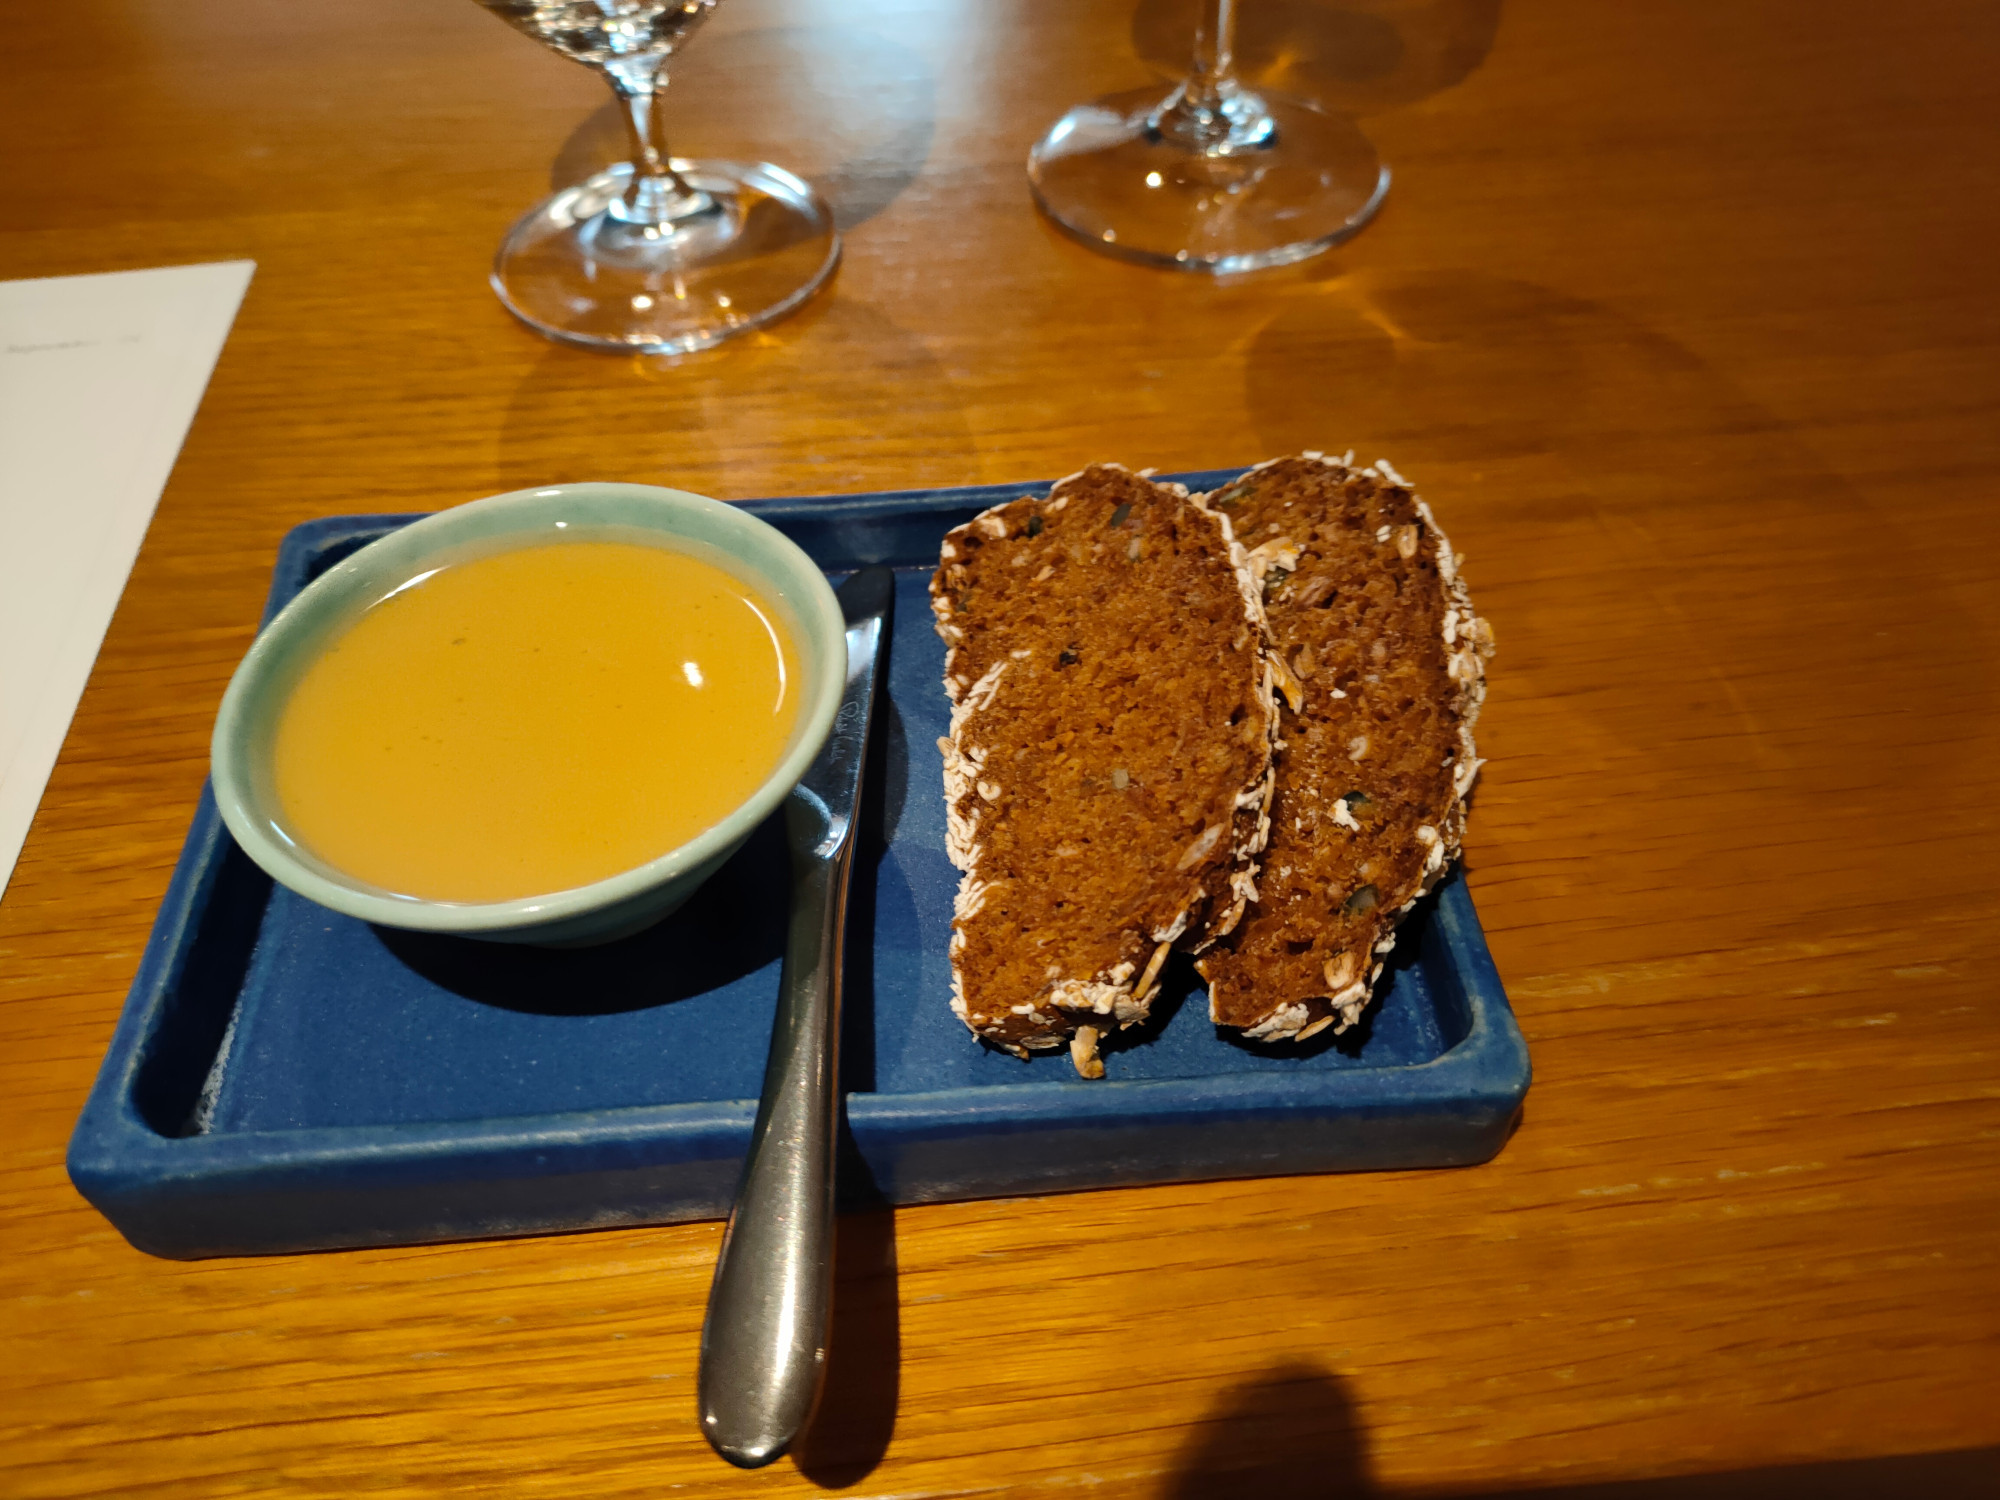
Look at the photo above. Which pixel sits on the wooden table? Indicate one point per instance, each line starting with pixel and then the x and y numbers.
pixel 1684 318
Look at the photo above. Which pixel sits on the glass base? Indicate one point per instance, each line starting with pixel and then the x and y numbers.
pixel 1253 181
pixel 757 243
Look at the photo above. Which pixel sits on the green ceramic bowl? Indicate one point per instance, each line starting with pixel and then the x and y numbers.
pixel 605 909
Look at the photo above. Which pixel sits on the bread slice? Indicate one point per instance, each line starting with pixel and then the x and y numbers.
pixel 1108 774
pixel 1381 660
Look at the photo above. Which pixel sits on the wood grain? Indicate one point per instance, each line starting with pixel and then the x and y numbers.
pixel 1681 316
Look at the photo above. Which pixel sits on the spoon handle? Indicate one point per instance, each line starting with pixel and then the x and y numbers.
pixel 763 1344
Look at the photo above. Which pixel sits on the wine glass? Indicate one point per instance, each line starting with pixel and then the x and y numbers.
pixel 1213 177
pixel 655 254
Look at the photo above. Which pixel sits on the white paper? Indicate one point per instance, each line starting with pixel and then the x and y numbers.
pixel 99 379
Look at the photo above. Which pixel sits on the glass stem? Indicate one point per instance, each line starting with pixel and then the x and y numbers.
pixel 657 196
pixel 1214 53
pixel 1205 113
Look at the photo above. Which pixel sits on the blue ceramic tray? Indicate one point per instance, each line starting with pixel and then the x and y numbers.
pixel 284 1078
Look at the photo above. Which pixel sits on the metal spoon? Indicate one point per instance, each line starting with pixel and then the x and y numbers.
pixel 763 1344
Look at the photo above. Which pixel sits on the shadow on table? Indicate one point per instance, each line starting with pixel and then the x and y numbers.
pixel 857 1414
pixel 1287 1435
pixel 1293 1434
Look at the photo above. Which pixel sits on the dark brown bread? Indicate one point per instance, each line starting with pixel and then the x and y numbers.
pixel 1108 774
pixel 1380 658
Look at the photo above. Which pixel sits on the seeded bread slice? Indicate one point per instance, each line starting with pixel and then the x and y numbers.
pixel 1381 661
pixel 1108 774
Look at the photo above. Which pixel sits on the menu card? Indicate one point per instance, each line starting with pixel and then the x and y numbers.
pixel 99 379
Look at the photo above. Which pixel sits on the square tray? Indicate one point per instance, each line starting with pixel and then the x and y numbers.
pixel 284 1078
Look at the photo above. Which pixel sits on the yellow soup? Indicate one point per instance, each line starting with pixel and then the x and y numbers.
pixel 536 719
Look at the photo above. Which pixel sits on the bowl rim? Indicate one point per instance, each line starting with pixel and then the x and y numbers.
pixel 322 601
